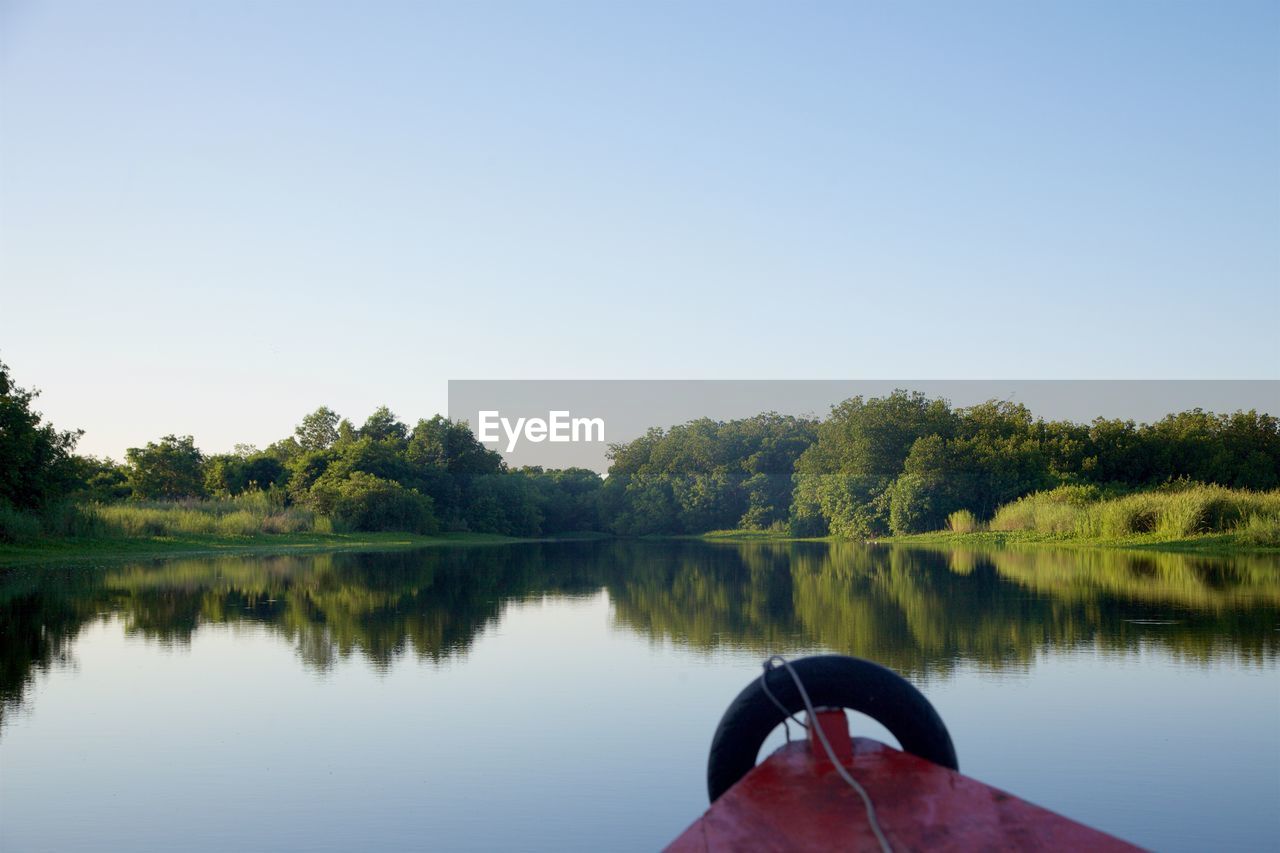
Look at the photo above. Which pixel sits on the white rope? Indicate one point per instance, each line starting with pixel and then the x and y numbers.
pixel 826 744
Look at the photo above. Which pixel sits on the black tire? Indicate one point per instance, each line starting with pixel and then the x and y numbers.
pixel 832 681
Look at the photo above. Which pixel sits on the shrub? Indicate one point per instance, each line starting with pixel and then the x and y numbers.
pixel 68 519
pixel 17 526
pixel 293 520
pixel 963 521
pixel 1260 530
pixel 1054 512
pixel 241 523
pixel 1125 516
pixel 367 503
pixel 911 507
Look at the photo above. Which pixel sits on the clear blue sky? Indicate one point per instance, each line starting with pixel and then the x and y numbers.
pixel 216 216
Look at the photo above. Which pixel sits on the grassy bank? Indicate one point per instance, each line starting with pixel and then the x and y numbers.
pixel 1209 543
pixel 251 523
pixel 1191 518
pixel 250 514
pixel 101 549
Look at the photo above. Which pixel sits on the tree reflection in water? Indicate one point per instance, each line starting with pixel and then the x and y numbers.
pixel 920 611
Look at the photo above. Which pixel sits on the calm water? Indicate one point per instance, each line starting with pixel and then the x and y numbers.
pixel 562 696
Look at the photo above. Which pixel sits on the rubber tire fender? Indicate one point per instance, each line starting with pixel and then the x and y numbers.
pixel 832 681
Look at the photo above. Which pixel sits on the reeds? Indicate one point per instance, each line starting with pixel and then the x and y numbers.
pixel 963 521
pixel 1190 510
pixel 1054 512
pixel 248 514
pixel 1260 530
pixel 17 526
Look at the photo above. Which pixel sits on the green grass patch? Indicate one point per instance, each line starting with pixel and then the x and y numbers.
pixel 99 549
pixel 1178 514
pixel 249 514
pixel 1232 542
pixel 745 535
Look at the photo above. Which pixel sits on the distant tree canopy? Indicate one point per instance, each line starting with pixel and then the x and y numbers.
pixel 900 463
pixel 706 475
pixel 232 473
pixel 903 463
pixel 170 468
pixel 379 476
pixel 37 467
pixel 318 430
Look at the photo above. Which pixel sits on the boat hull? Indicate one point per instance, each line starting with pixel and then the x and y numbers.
pixel 796 801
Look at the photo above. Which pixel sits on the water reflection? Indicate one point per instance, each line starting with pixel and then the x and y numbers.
pixel 920 611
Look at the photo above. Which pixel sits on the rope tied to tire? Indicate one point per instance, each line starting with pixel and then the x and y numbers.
pixel 785 688
pixel 870 807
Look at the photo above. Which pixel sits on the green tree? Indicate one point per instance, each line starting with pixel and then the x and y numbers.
pixel 168 469
pixel 706 475
pixel 318 430
pixel 231 474
pixel 383 425
pixel 36 464
pixel 859 452
pixel 441 443
pixel 100 480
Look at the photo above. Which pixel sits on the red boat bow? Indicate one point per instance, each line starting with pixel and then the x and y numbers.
pixel 795 800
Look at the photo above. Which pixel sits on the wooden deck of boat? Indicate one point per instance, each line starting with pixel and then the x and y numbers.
pixel 795 801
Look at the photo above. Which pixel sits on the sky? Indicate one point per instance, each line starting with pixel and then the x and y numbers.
pixel 215 217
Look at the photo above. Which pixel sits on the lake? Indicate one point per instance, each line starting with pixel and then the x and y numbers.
pixel 562 696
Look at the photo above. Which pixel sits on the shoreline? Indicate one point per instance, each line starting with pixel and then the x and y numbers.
pixel 85 550
pixel 88 550
pixel 1221 544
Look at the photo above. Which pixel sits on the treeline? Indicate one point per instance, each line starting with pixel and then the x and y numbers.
pixel 902 463
pixel 381 475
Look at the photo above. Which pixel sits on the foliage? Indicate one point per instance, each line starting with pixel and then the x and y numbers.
pixel 100 480
pixel 568 500
pixel 858 453
pixel 230 474
pixel 248 514
pixel 1174 513
pixel 36 463
pixel 903 463
pixel 1260 530
pixel 361 501
pixel 318 430
pixel 169 469
pixel 705 475
pixel 16 525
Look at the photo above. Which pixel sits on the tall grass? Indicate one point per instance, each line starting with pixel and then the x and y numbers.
pixel 17 526
pixel 248 514
pixel 1187 510
pixel 963 521
pixel 1260 530
pixel 1054 512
